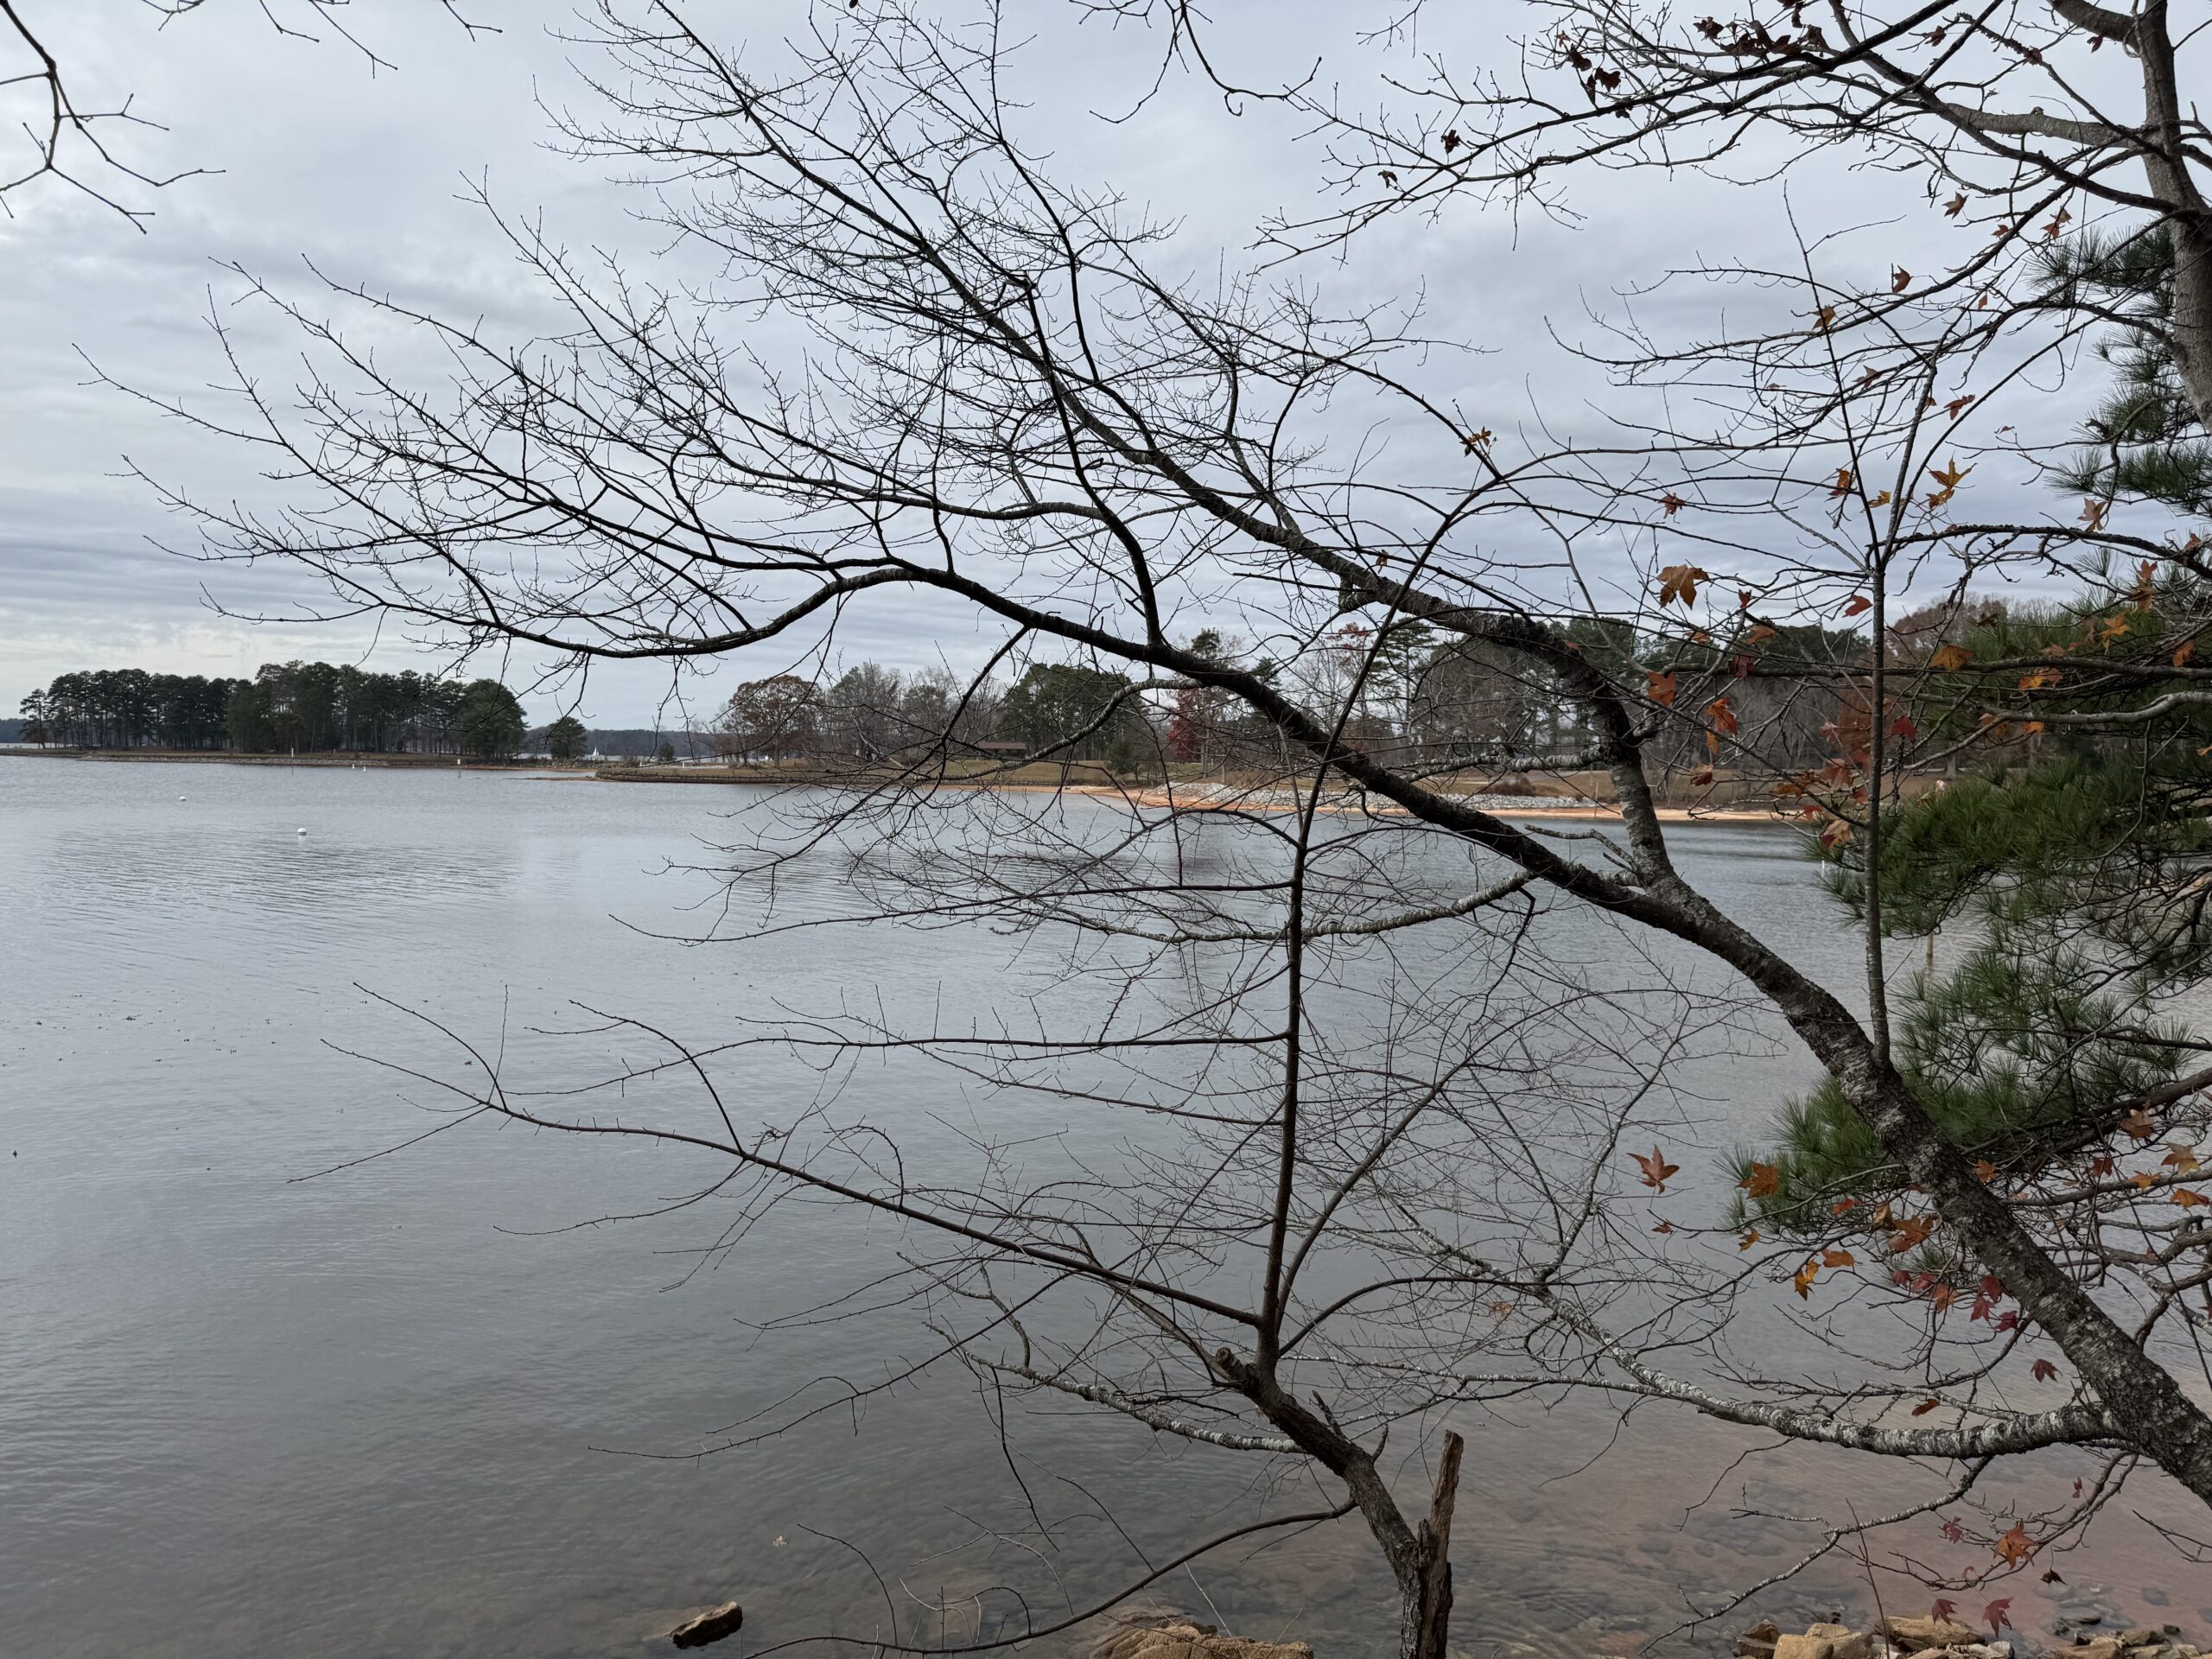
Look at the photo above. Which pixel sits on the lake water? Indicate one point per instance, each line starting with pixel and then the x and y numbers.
pixel 394 1409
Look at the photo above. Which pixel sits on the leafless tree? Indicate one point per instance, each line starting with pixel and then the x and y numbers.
pixel 1387 1190
pixel 86 145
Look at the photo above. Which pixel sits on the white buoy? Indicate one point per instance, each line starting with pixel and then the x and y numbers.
pixel 180 797
pixel 302 831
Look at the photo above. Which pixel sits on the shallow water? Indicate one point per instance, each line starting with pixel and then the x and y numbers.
pixel 389 1410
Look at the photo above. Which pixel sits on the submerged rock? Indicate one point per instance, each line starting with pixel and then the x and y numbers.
pixel 710 1627
pixel 1915 1634
pixel 1169 1637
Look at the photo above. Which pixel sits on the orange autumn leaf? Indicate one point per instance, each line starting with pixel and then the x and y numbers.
pixel 1949 478
pixel 1764 1182
pixel 1801 1280
pixel 2187 650
pixel 2041 679
pixel 2183 1159
pixel 1950 658
pixel 1842 485
pixel 1748 1240
pixel 1670 503
pixel 1984 1171
pixel 1680 581
pixel 1722 716
pixel 2137 1122
pixel 2188 1200
pixel 1900 280
pixel 1925 1407
pixel 1858 605
pixel 1833 1257
pixel 1912 1231
pixel 2015 1545
pixel 1656 1168
pixel 1660 688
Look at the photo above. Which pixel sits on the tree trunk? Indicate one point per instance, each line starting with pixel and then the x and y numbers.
pixel 1429 1602
pixel 2165 165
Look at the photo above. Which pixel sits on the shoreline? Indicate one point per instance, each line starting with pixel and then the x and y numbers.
pixel 328 762
pixel 1195 796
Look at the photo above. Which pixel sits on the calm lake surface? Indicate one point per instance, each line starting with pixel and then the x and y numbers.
pixel 394 1409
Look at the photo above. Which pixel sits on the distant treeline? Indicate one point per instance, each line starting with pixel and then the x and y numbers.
pixel 1446 701
pixel 643 741
pixel 304 708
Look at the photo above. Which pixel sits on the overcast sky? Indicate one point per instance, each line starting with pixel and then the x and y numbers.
pixel 312 156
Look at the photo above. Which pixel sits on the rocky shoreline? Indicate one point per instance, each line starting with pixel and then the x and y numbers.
pixel 1173 1635
pixel 1946 1638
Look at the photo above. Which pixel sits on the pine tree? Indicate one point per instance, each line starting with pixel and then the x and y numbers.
pixel 2079 866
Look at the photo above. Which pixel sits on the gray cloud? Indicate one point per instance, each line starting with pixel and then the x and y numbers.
pixel 319 160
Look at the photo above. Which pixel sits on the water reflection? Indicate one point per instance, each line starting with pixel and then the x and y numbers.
pixel 389 1411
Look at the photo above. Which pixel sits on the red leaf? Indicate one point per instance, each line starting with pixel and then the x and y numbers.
pixel 1858 605
pixel 1656 1168
pixel 2043 1371
pixel 1997 1614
